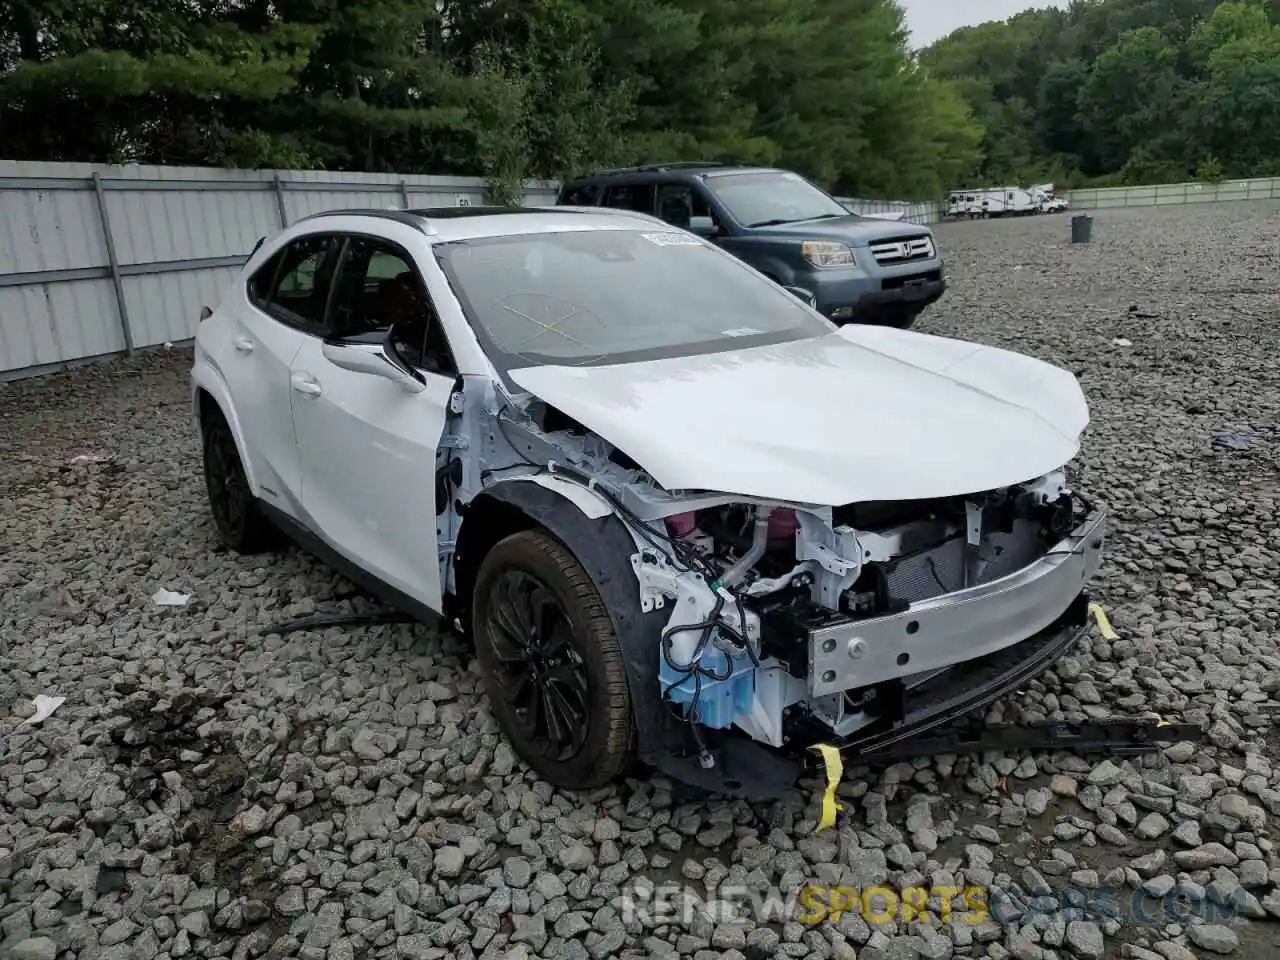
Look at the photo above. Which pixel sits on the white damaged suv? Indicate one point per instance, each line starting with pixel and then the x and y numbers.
pixel 682 517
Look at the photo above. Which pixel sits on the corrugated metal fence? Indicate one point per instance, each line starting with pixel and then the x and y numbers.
pixel 905 210
pixel 1175 193
pixel 98 260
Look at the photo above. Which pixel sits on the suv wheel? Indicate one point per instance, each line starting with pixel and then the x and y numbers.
pixel 551 662
pixel 235 510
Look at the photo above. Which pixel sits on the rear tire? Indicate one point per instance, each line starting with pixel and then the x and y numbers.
pixel 552 663
pixel 236 513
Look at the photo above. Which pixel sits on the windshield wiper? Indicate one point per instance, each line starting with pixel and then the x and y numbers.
pixel 782 220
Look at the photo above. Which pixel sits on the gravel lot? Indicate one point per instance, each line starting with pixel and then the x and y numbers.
pixel 205 791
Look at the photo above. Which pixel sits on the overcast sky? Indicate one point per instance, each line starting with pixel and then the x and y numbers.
pixel 930 19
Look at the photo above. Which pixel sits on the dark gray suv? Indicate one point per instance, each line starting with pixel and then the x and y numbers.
pixel 854 268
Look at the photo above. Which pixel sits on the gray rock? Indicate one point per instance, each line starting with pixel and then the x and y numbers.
pixel 1213 937
pixel 34 948
pixel 450 861
pixel 576 857
pixel 1151 826
pixel 1084 939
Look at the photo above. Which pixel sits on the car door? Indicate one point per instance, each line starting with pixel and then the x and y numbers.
pixel 284 308
pixel 368 447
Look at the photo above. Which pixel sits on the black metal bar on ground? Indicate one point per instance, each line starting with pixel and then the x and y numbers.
pixel 113 264
pixel 1117 735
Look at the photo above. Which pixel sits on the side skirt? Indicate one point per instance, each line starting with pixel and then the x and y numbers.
pixel 391 596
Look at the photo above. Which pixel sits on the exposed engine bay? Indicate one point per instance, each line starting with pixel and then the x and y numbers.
pixel 736 651
pixel 788 620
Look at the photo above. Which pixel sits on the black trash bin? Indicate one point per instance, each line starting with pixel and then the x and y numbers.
pixel 1081 228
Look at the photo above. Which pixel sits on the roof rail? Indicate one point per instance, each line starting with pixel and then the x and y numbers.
pixel 658 167
pixel 409 219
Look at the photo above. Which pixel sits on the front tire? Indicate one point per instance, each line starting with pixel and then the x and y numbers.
pixel 551 663
pixel 236 513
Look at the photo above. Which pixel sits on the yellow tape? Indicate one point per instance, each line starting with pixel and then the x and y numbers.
pixel 1104 625
pixel 835 769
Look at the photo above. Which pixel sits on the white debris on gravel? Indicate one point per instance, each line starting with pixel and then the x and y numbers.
pixel 343 794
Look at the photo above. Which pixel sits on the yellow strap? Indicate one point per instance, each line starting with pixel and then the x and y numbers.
pixel 1104 625
pixel 835 769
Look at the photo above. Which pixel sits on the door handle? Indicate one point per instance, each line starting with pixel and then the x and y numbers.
pixel 305 385
pixel 242 343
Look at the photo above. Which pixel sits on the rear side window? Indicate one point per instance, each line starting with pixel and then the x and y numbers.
pixel 637 197
pixel 580 195
pixel 293 286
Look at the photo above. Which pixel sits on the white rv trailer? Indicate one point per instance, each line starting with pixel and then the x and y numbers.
pixel 1003 201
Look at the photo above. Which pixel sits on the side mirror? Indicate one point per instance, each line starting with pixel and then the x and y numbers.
pixel 373 353
pixel 703 226
pixel 808 296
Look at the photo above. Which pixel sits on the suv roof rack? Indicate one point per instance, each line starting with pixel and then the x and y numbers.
pixel 658 167
pixel 407 217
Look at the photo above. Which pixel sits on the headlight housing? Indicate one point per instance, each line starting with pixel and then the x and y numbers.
pixel 828 253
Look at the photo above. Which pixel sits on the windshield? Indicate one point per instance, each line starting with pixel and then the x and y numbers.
pixel 766 199
pixel 585 297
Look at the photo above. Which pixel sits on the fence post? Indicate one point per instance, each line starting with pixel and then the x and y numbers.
pixel 279 191
pixel 404 193
pixel 113 262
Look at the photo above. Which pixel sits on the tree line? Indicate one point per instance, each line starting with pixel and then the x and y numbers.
pixel 517 89
pixel 1111 92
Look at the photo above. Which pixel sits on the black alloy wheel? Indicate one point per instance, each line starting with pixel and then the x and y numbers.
pixel 537 667
pixel 240 523
pixel 551 662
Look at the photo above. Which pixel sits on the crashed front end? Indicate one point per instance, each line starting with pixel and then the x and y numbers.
pixel 857 626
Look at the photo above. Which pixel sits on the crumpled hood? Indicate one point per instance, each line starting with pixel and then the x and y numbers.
pixel 853 230
pixel 861 413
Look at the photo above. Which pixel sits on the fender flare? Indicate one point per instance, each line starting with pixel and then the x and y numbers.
pixel 604 546
pixel 207 379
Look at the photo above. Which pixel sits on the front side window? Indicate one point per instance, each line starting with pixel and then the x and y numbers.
pixel 773 197
pixel 587 297
pixel 377 289
pixel 679 204
pixel 301 274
